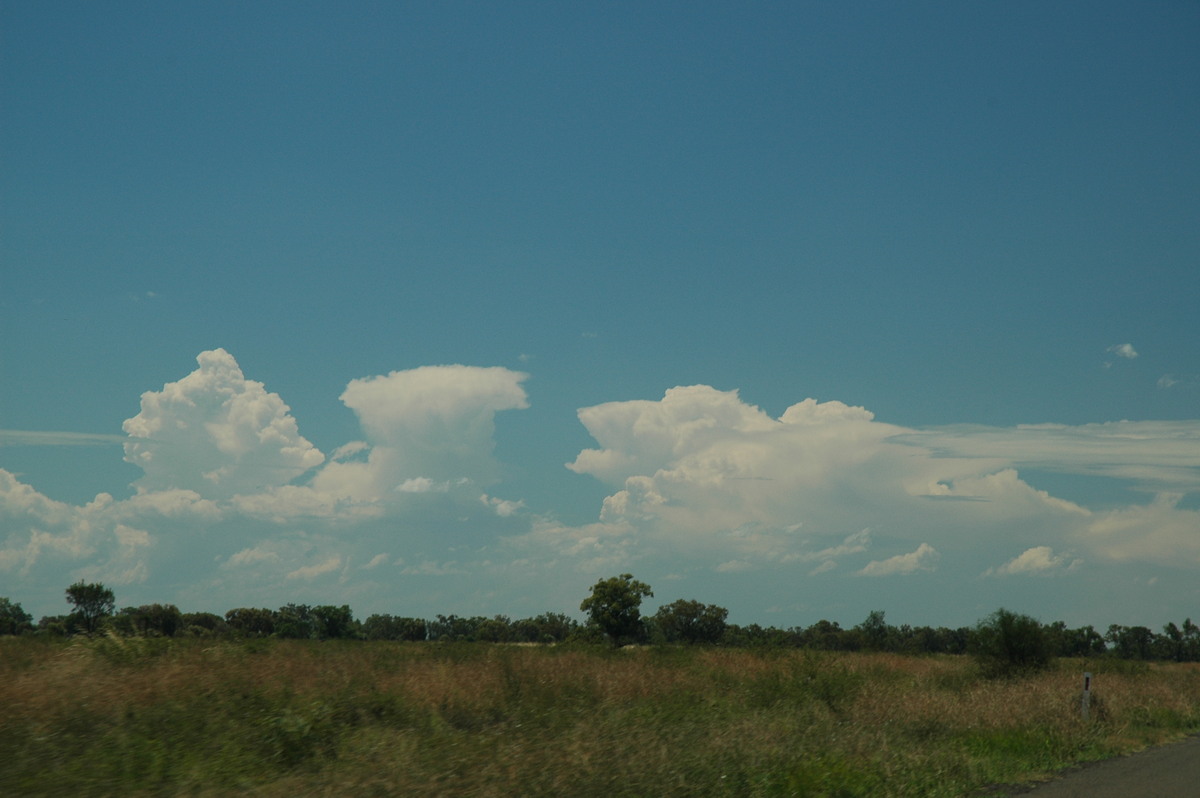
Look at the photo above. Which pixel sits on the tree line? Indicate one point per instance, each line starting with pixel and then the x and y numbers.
pixel 1009 641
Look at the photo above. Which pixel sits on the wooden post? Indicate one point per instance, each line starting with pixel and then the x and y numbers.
pixel 1087 694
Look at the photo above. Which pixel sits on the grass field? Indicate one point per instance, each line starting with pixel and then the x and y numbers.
pixel 134 716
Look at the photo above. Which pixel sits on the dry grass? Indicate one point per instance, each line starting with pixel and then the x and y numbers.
pixel 149 717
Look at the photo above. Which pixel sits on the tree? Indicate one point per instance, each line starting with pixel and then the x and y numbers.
pixel 251 621
pixel 388 627
pixel 13 619
pixel 93 603
pixel 1131 642
pixel 875 632
pixel 155 620
pixel 333 622
pixel 689 621
pixel 203 624
pixel 1008 644
pixel 1191 641
pixel 454 628
pixel 549 627
pixel 1082 642
pixel 825 635
pixel 295 621
pixel 614 606
pixel 54 625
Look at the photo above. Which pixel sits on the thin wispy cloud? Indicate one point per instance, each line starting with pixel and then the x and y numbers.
pixel 16 437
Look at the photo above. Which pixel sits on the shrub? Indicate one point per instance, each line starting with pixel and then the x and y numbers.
pixel 1009 644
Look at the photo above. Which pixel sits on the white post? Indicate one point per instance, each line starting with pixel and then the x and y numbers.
pixel 1087 694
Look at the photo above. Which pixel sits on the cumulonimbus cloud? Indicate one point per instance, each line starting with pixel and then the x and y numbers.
pixel 428 429
pixel 217 433
pixel 701 484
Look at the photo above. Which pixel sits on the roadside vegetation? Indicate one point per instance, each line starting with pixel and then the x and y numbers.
pixel 332 706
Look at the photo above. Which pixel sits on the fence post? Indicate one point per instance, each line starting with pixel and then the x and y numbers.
pixel 1087 694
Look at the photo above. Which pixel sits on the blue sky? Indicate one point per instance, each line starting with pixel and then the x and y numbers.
pixel 459 307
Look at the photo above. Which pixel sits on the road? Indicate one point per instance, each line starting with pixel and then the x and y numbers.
pixel 1167 771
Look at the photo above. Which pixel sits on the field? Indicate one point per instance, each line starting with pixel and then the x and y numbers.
pixel 137 716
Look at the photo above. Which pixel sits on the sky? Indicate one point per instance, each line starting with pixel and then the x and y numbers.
pixel 802 309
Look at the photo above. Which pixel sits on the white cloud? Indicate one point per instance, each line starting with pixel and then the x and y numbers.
pixel 1157 455
pixel 41 531
pixel 1159 532
pixel 824 567
pixel 169 503
pixel 376 561
pixel 349 450
pixel 432 568
pixel 702 488
pixel 502 507
pixel 133 538
pixel 427 427
pixel 856 543
pixel 589 548
pixel 252 556
pixel 1039 560
pixel 329 565
pixel 1168 381
pixel 925 558
pixel 216 433
pixel 1123 350
pixel 703 474
pixel 422 485
pixel 733 566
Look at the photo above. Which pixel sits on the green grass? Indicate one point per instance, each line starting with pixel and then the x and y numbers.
pixel 115 716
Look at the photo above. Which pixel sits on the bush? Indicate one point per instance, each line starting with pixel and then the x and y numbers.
pixel 1009 644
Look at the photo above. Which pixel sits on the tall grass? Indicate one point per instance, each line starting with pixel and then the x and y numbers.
pixel 135 716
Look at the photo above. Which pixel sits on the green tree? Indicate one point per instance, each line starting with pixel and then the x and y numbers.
pixel 614 606
pixel 295 621
pixel 1131 642
pixel 390 627
pixel 689 621
pixel 251 621
pixel 203 624
pixel 455 629
pixel 333 622
pixel 93 602
pixel 875 633
pixel 549 627
pixel 155 620
pixel 1191 641
pixel 1007 644
pixel 54 625
pixel 826 636
pixel 13 619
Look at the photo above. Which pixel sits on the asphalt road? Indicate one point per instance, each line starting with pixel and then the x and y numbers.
pixel 1168 771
